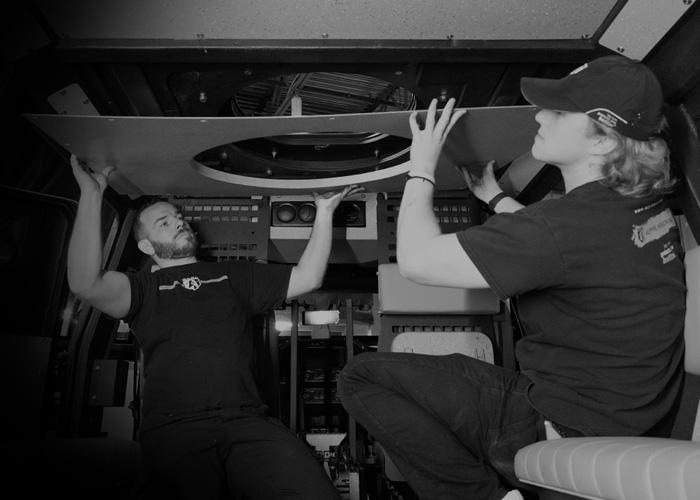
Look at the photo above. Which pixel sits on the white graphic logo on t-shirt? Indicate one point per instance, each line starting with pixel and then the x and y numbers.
pixel 653 229
pixel 192 283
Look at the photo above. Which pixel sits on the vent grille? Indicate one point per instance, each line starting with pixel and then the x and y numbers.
pixel 321 94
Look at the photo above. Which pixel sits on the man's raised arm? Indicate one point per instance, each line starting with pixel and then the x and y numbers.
pixel 308 274
pixel 108 291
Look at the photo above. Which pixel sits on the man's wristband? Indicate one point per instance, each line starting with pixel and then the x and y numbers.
pixel 494 201
pixel 422 175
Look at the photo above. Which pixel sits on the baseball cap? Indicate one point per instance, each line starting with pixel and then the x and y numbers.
pixel 616 91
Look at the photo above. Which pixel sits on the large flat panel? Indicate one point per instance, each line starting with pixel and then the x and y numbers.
pixel 320 19
pixel 154 155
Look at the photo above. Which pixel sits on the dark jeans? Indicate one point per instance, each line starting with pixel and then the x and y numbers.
pixel 451 424
pixel 222 454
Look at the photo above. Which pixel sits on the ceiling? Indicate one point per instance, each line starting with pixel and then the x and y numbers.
pixel 316 19
pixel 362 64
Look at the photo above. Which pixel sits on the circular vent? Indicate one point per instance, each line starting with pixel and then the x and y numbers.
pixel 313 155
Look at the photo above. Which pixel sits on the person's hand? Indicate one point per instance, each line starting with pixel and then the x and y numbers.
pixel 330 201
pixel 88 180
pixel 483 184
pixel 428 141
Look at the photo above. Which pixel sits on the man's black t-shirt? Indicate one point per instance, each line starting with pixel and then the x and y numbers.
pixel 193 323
pixel 601 297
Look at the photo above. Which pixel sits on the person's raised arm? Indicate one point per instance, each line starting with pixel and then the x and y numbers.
pixel 108 291
pixel 423 253
pixel 485 187
pixel 308 274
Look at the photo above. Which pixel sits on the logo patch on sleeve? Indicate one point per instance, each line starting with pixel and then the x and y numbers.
pixel 668 253
pixel 653 229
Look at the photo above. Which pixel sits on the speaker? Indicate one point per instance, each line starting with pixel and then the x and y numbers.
pixel 354 228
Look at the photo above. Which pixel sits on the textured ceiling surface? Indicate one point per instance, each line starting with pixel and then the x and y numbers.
pixel 321 19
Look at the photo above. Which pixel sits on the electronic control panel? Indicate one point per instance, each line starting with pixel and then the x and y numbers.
pixel 453 213
pixel 229 228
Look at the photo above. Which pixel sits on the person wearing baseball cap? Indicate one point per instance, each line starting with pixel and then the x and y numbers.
pixel 614 91
pixel 596 274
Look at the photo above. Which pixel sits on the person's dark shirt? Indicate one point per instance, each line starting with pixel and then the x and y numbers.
pixel 194 326
pixel 600 289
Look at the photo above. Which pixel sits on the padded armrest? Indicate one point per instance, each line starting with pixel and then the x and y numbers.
pixel 613 468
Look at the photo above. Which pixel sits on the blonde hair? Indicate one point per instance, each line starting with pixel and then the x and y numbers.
pixel 636 168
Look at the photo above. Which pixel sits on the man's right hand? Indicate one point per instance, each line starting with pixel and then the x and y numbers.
pixel 88 180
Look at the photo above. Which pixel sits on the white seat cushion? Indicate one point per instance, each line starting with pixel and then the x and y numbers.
pixel 613 468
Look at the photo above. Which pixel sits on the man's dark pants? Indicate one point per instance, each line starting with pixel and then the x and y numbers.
pixel 226 454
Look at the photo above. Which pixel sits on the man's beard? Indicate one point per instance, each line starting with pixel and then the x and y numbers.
pixel 172 250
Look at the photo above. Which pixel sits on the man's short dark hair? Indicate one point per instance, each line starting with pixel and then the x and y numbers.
pixel 138 231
